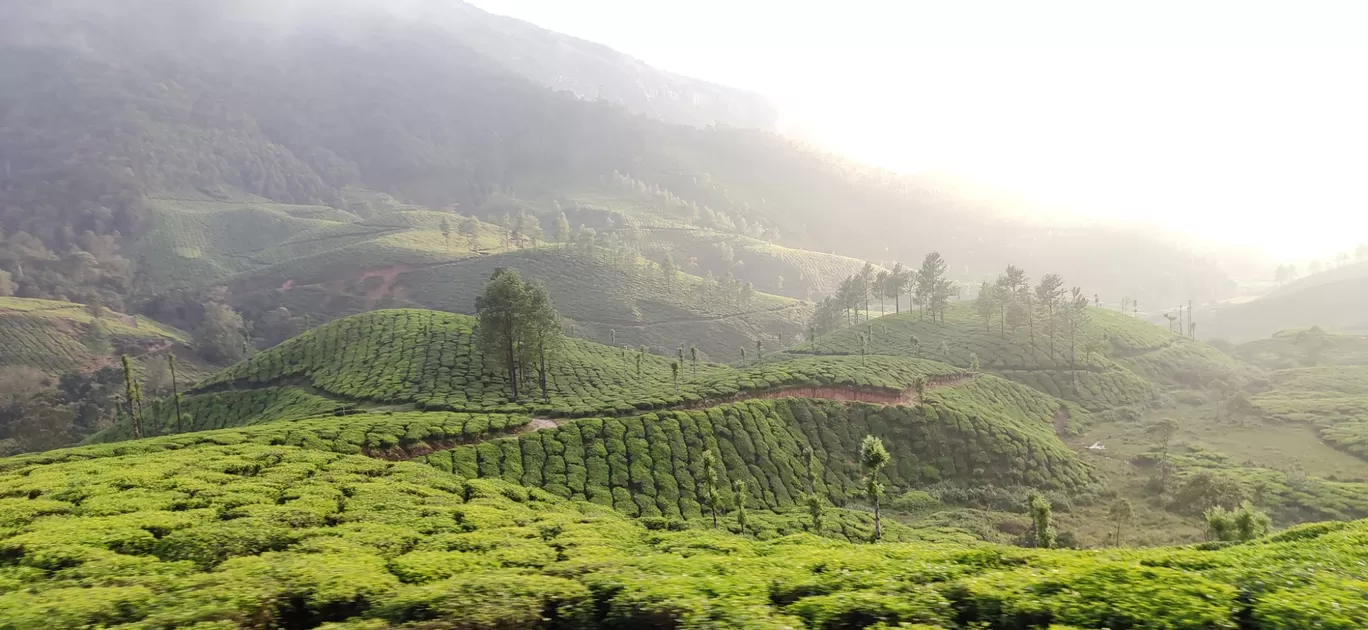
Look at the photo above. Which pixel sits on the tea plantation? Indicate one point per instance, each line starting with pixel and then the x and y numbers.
pixel 651 465
pixel 246 535
pixel 52 336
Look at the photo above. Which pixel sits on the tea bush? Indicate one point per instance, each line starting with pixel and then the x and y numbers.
pixel 251 535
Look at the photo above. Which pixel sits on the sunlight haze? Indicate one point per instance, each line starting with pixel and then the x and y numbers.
pixel 1231 121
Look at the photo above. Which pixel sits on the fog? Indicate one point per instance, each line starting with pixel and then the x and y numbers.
pixel 1235 123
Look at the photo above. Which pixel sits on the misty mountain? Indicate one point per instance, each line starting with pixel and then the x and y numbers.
pixel 442 105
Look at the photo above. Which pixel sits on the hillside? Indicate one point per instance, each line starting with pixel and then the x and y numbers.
pixel 249 534
pixel 55 337
pixel 431 360
pixel 1117 361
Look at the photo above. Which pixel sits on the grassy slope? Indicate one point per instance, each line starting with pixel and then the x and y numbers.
pixel 47 335
pixel 1133 359
pixel 250 534
pixel 1332 399
pixel 759 261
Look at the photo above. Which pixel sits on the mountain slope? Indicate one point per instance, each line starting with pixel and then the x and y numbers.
pixel 169 99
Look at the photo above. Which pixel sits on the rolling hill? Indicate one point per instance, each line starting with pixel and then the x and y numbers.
pixel 1334 304
pixel 431 360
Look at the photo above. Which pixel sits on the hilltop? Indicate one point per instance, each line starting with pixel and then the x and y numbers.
pixel 1333 299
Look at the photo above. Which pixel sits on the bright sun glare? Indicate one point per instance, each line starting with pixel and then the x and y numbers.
pixel 1238 122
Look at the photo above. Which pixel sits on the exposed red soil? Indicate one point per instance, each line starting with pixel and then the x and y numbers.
pixel 387 276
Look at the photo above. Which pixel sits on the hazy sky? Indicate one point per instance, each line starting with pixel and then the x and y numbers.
pixel 1245 121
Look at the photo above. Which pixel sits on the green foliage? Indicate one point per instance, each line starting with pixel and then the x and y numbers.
pixel 250 534
pixel 1242 524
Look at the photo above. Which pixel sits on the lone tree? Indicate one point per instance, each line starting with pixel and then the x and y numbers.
pixel 986 305
pixel 1042 520
pixel 711 495
pixel 133 395
pixel 470 228
pixel 1163 432
pixel 446 232
pixel 693 356
pixel 1121 513
pixel 815 509
pixel 873 457
pixel 175 389
pixel 1049 293
pixel 518 326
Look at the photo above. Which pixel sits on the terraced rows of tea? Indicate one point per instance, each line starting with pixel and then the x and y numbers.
pixel 49 335
pixel 1120 360
pixel 651 465
pixel 432 359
